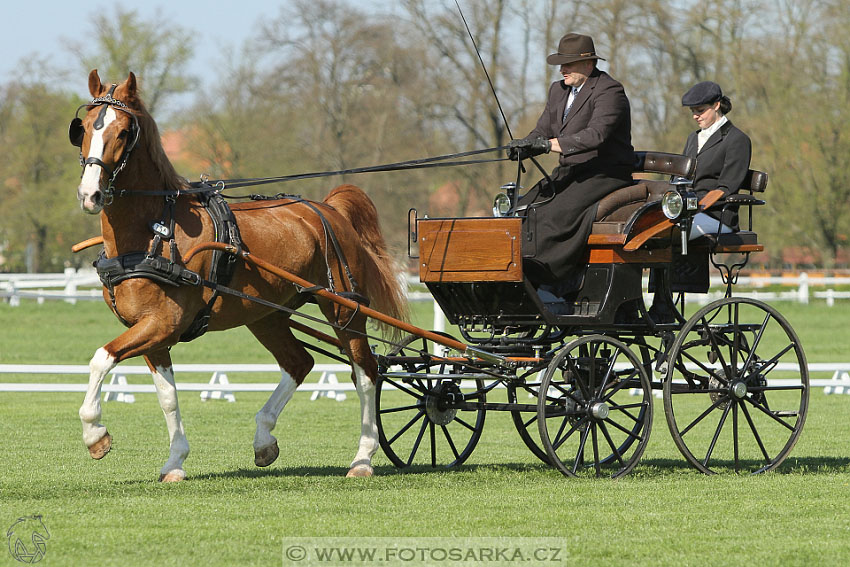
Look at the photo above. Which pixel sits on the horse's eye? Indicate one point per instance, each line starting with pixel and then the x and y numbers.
pixel 123 134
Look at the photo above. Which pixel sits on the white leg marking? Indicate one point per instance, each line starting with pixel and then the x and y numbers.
pixel 101 363
pixel 166 392
pixel 266 418
pixel 368 423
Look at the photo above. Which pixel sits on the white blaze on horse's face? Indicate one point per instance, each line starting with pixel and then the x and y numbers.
pixel 93 183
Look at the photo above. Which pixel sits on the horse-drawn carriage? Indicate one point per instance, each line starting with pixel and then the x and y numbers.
pixel 578 369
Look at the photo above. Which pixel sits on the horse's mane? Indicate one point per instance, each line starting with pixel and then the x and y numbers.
pixel 151 141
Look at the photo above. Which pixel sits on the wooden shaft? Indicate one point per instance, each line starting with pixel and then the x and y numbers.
pixel 290 277
pixel 87 244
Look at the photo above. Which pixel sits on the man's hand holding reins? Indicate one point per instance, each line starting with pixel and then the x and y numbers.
pixel 525 148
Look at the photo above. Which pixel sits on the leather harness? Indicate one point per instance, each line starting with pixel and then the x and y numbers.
pixel 153 266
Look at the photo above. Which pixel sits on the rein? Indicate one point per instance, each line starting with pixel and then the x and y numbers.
pixel 206 186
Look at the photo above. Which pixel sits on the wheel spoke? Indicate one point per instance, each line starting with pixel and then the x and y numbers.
pixel 400 408
pixel 716 348
pixel 611 444
pixel 708 370
pixel 406 427
pixel 610 370
pixel 628 432
pixel 756 343
pixel 558 439
pixel 772 362
pixel 432 433
pixel 716 434
pixel 580 452
pixel 449 440
pixel 404 389
pixel 596 463
pixel 755 433
pixel 702 416
pixel 463 423
pixel 735 437
pixel 769 414
pixel 418 441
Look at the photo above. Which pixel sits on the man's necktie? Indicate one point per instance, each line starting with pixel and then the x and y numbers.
pixel 570 100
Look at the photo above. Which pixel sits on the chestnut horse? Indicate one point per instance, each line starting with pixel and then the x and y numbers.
pixel 128 180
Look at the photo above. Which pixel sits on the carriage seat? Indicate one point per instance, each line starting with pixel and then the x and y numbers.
pixel 741 240
pixel 615 210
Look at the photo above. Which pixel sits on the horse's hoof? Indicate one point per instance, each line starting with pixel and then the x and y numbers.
pixel 266 456
pixel 101 447
pixel 173 476
pixel 359 471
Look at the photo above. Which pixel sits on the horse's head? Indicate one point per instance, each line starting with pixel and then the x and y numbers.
pixel 106 135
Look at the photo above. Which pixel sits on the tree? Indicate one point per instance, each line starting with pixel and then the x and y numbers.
pixel 155 50
pixel 40 218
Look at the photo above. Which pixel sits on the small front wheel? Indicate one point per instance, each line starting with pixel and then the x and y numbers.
pixel 427 413
pixel 589 423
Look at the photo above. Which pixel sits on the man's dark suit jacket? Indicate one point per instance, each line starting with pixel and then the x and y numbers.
pixel 722 164
pixel 597 158
pixel 599 124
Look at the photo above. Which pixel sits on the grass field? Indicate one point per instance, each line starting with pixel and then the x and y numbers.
pixel 113 512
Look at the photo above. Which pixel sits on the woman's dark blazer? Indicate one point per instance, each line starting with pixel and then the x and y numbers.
pixel 722 164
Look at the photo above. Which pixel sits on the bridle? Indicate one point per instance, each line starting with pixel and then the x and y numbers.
pixel 76 131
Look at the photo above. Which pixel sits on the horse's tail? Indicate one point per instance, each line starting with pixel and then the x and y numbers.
pixel 385 290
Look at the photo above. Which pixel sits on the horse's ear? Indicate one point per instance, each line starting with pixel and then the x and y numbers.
pixel 131 85
pixel 95 86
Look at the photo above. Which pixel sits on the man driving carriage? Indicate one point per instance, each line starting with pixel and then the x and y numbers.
pixel 587 120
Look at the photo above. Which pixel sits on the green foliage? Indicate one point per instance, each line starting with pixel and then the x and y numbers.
pixel 40 218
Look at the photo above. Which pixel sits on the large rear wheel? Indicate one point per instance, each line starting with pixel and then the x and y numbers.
pixel 736 392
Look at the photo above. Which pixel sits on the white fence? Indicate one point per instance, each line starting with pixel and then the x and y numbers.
pixel 69 287
pixel 333 379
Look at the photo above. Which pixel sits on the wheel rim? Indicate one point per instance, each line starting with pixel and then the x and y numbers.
pixel 737 388
pixel 420 421
pixel 588 422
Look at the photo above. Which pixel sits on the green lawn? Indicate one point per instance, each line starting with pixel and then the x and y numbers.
pixel 228 512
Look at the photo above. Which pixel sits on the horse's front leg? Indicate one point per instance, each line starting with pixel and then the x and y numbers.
pixel 162 372
pixel 143 337
pixel 95 435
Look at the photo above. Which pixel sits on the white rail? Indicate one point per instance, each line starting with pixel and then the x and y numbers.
pixel 326 385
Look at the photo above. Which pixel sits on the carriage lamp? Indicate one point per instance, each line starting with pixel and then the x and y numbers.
pixel 672 204
pixel 501 205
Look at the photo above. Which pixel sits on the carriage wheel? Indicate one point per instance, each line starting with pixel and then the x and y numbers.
pixel 737 387
pixel 526 422
pixel 419 413
pixel 588 421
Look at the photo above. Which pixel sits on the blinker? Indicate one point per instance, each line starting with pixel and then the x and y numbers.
pixel 76 132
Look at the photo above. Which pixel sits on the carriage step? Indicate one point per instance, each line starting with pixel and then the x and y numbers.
pixel 785 413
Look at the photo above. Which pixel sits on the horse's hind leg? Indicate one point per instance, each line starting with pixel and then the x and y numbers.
pixel 364 373
pixel 162 372
pixel 295 363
